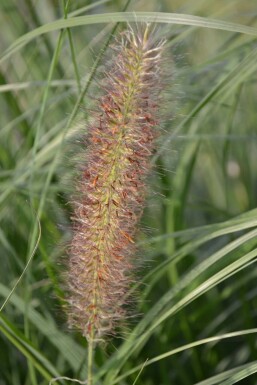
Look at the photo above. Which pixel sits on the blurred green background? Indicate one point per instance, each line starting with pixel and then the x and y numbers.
pixel 198 240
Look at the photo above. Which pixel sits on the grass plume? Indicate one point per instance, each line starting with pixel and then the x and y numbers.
pixel 112 188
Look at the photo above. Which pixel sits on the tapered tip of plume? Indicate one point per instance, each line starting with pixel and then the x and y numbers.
pixel 111 189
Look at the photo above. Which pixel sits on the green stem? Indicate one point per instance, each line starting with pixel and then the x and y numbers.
pixel 72 48
pixel 90 354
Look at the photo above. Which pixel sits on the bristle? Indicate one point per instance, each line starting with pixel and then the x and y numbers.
pixel 111 190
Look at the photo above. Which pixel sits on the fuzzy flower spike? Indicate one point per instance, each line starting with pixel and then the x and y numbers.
pixel 111 190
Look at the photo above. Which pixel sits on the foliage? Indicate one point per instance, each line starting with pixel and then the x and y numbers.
pixel 197 298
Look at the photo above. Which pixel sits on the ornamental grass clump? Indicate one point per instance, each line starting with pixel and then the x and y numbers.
pixel 111 189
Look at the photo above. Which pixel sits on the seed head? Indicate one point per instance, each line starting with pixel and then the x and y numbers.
pixel 111 189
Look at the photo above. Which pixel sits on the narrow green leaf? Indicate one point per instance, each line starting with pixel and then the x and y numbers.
pixel 154 17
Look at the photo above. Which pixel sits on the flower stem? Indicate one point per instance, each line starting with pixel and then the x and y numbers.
pixel 90 354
